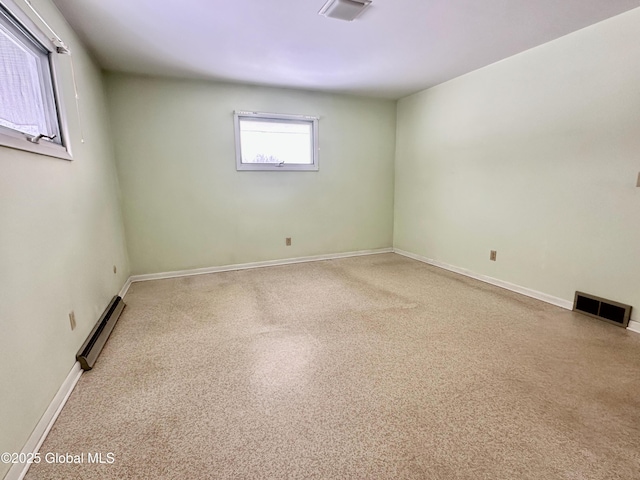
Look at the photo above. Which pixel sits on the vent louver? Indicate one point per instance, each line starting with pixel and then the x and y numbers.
pixel 603 309
pixel 344 9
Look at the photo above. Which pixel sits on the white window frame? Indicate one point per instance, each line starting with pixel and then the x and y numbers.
pixel 283 118
pixel 19 140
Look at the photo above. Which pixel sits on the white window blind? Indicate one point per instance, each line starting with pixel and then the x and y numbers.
pixel 27 99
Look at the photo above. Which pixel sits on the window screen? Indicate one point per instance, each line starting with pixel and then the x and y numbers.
pixel 27 102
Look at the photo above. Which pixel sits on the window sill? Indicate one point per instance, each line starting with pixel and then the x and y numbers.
pixel 43 148
pixel 271 167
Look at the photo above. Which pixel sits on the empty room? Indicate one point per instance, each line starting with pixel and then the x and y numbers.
pixel 320 239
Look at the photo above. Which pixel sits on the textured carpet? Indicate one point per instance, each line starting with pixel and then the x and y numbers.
pixel 368 367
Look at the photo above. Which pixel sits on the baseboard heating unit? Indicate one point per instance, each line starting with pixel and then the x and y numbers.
pixel 92 347
pixel 603 309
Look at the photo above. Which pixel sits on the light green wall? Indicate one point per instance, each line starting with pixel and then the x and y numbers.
pixel 536 157
pixel 61 233
pixel 186 206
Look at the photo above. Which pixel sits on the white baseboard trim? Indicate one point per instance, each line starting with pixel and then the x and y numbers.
pixel 245 266
pixel 559 302
pixel 634 325
pixel 125 288
pixel 19 470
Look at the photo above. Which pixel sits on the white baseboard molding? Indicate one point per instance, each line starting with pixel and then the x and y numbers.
pixel 559 302
pixel 245 266
pixel 125 288
pixel 634 325
pixel 19 470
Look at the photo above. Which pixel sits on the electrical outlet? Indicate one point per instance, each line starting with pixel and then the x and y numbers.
pixel 493 255
pixel 72 319
pixel 287 241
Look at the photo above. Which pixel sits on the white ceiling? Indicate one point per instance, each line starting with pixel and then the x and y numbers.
pixel 395 48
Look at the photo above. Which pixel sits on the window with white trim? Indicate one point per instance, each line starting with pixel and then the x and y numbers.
pixel 273 141
pixel 30 118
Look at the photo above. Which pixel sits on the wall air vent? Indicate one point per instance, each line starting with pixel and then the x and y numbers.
pixel 89 351
pixel 603 309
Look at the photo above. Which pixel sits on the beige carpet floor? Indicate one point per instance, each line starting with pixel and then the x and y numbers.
pixel 375 367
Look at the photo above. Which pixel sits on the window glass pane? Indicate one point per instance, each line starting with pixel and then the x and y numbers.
pixel 22 102
pixel 267 141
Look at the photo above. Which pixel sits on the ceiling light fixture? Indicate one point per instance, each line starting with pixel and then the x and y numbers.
pixel 344 9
